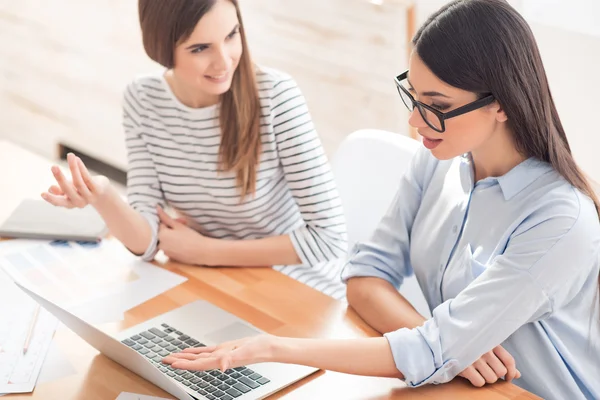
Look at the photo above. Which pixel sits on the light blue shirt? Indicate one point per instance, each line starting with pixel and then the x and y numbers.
pixel 512 260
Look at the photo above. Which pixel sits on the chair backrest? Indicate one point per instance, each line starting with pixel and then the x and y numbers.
pixel 368 166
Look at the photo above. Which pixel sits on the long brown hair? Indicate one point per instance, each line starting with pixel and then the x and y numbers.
pixel 485 46
pixel 165 24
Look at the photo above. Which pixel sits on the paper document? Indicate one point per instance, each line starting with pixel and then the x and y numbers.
pixel 96 281
pixel 26 332
pixel 134 396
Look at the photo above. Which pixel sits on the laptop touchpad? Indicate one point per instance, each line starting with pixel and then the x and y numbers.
pixel 232 331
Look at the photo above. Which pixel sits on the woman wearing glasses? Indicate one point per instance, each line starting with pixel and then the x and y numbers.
pixel 494 218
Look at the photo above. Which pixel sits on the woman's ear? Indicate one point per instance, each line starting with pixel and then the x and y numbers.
pixel 500 114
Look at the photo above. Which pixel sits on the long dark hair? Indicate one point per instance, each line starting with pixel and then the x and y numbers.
pixel 165 24
pixel 485 46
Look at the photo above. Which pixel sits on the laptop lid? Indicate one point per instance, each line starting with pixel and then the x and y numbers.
pixel 111 347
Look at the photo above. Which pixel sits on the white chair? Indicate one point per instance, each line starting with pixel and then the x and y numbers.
pixel 368 166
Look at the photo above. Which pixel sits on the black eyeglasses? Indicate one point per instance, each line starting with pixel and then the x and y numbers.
pixel 435 118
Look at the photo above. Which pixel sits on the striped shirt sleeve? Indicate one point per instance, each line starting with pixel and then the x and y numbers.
pixel 143 187
pixel 308 173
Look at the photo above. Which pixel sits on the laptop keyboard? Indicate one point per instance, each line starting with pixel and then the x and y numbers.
pixel 157 343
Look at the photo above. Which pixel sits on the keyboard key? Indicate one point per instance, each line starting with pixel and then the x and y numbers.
pixel 158 332
pixel 164 325
pixel 222 377
pixel 249 382
pixel 136 337
pixel 178 333
pixel 183 346
pixel 210 397
pixel 151 354
pixel 236 375
pixel 142 341
pixel 186 383
pixel 192 342
pixel 169 338
pixel 150 345
pixel 188 376
pixel 136 347
pixel 203 384
pixel 176 342
pixel 163 353
pixel 195 388
pixel 164 344
pixel 239 369
pixel 143 351
pixel 163 370
pixel 195 380
pixel 179 379
pixel 171 374
pixel 157 359
pixel 231 381
pixel 170 368
pixel 241 388
pixel 226 397
pixel 169 330
pixel 128 342
pixel 202 392
pixel 200 374
pixel 156 340
pixel 255 376
pixel 263 381
pixel 148 335
pixel 180 371
pixel 183 338
pixel 211 389
pixel 247 372
pixel 223 387
pixel 171 349
pixel 218 393
pixel 215 372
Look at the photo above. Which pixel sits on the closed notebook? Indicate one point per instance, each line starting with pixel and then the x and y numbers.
pixel 37 219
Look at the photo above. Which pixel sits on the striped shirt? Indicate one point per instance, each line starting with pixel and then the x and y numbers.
pixel 173 155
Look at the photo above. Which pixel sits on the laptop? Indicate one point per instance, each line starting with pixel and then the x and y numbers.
pixel 141 348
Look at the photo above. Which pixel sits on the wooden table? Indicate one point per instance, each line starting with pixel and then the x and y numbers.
pixel 262 296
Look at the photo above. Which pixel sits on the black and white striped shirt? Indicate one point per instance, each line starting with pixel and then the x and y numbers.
pixel 173 158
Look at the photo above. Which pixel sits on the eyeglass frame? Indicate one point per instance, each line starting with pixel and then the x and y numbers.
pixel 442 116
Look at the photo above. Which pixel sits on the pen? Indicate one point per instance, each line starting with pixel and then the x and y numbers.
pixel 31 326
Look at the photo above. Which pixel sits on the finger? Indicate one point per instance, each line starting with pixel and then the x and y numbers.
pixel 485 371
pixel 197 365
pixel 59 201
pixel 198 350
pixel 518 374
pixel 179 356
pixel 56 190
pixel 66 186
pixel 473 376
pixel 495 364
pixel 165 218
pixel 181 220
pixel 78 182
pixel 87 177
pixel 508 361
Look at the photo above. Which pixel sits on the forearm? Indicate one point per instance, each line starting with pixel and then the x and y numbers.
pixel 369 356
pixel 275 250
pixel 123 222
pixel 380 305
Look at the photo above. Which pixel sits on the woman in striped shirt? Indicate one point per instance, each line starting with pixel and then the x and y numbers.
pixel 229 145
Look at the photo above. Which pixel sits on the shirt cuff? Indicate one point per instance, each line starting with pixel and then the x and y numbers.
pixel 152 248
pixel 415 359
pixel 354 270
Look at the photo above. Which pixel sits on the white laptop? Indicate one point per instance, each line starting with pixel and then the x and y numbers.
pixel 141 348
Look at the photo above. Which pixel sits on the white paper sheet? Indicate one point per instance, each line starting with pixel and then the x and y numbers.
pixel 56 365
pixel 18 371
pixel 135 396
pixel 96 281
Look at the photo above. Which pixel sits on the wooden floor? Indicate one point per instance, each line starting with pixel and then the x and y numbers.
pixel 64 64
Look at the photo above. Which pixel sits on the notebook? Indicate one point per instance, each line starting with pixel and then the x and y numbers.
pixel 37 219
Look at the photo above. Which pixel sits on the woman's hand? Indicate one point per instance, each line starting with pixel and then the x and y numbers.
pixel 82 190
pixel 250 350
pixel 181 243
pixel 492 366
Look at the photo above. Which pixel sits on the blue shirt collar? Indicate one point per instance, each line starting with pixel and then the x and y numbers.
pixel 515 180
